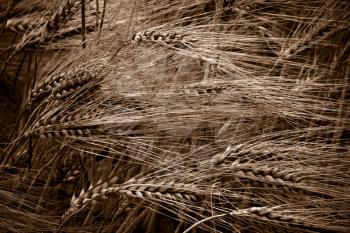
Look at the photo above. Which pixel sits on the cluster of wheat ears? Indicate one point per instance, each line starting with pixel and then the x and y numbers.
pixel 176 116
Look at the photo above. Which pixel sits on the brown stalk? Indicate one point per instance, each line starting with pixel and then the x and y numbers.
pixel 83 26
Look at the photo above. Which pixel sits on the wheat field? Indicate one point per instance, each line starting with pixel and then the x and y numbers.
pixel 174 116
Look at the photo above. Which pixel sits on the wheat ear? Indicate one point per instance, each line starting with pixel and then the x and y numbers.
pixel 63 15
pixel 160 37
pixel 64 83
pixel 53 24
pixel 317 33
pixel 136 188
pixel 254 170
pixel 23 24
pixel 266 214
